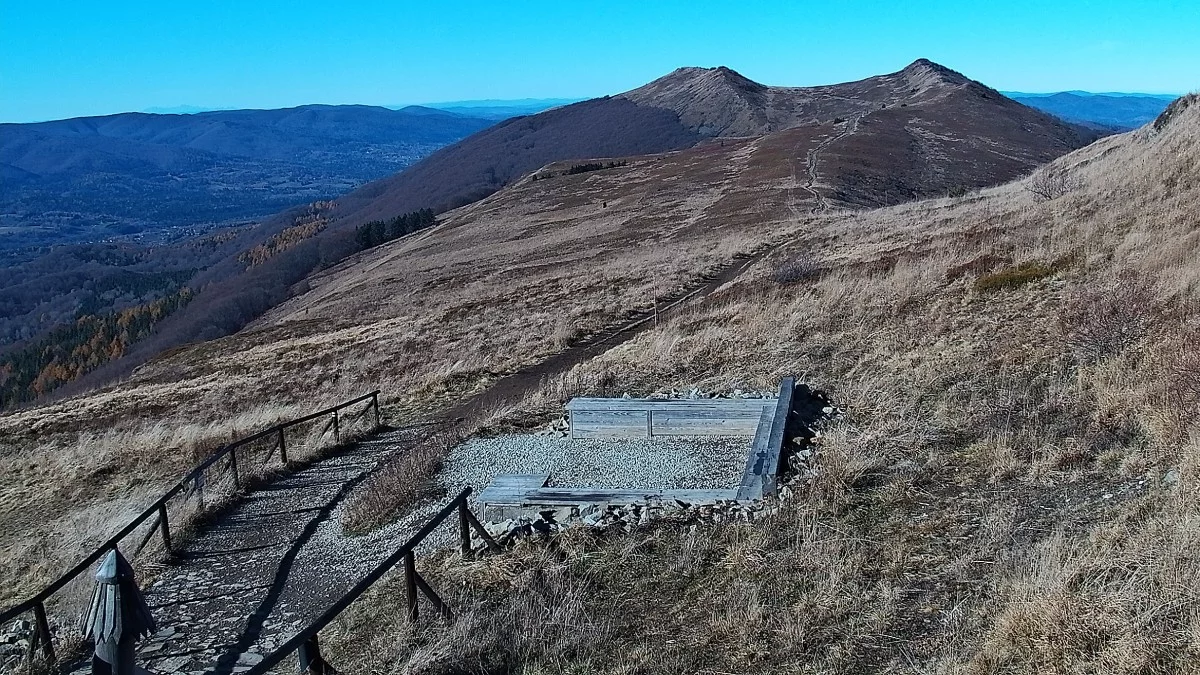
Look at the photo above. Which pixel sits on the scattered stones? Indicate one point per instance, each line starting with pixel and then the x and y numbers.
pixel 628 517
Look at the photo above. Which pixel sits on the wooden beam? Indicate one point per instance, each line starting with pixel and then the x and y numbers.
pixel 574 496
pixel 783 410
pixel 751 486
pixel 438 605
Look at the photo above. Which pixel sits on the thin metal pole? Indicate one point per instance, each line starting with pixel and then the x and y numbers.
pixel 164 528
pixel 43 629
pixel 410 585
pixel 282 446
pixel 464 530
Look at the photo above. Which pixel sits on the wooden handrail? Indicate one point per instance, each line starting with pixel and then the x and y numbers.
pixel 405 551
pixel 54 586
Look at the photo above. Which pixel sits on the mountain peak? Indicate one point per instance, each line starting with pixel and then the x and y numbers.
pixel 924 74
pixel 692 76
pixel 711 101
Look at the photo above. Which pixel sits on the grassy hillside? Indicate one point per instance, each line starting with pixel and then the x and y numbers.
pixel 1018 373
pixel 1013 489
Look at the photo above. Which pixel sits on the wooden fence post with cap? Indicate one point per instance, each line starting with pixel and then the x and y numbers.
pixel 118 617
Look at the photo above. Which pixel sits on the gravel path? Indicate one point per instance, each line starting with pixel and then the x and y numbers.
pixel 265 567
pixel 261 570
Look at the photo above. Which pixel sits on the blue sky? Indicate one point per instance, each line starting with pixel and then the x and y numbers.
pixel 66 59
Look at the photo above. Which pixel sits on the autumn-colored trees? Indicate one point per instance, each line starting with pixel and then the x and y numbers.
pixel 70 351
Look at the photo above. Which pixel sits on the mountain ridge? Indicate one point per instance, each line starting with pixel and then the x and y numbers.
pixel 705 103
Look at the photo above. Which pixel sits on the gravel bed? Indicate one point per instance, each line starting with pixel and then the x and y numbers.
pixel 696 462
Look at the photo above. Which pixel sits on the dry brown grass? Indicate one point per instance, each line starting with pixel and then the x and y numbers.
pixel 995 501
pixel 80 488
pixel 427 319
pixel 403 480
pixel 1013 490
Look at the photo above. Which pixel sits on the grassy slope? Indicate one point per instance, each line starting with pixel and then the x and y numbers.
pixel 427 319
pixel 1013 491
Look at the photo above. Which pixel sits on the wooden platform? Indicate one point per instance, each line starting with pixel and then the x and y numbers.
pixel 765 419
pixel 645 418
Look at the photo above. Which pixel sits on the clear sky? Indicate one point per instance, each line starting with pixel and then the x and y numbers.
pixel 67 59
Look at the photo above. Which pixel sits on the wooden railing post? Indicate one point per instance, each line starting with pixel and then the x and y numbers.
pixel 375 402
pixel 309 656
pixel 43 632
pixel 164 528
pixel 410 585
pixel 337 431
pixel 282 446
pixel 237 481
pixel 464 530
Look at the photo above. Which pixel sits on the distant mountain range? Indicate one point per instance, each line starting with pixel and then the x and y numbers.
pixel 492 108
pixel 1111 111
pixel 502 109
pixel 143 176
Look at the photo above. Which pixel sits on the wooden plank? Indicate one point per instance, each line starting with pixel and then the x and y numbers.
pixel 504 496
pixel 639 418
pixel 522 479
pixel 601 404
pixel 609 424
pixel 752 478
pixel 783 410
pixel 574 496
pixel 675 422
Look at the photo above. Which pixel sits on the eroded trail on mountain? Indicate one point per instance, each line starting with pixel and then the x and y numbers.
pixel 262 569
pixel 813 160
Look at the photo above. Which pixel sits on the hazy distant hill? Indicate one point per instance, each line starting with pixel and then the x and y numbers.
pixel 1120 112
pixel 137 174
pixel 502 109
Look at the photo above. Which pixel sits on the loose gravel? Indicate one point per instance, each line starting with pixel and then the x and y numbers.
pixel 697 462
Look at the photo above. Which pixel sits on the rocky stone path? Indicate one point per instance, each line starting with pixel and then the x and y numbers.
pixel 256 574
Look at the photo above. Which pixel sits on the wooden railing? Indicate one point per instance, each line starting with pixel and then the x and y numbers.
pixel 305 644
pixel 193 482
